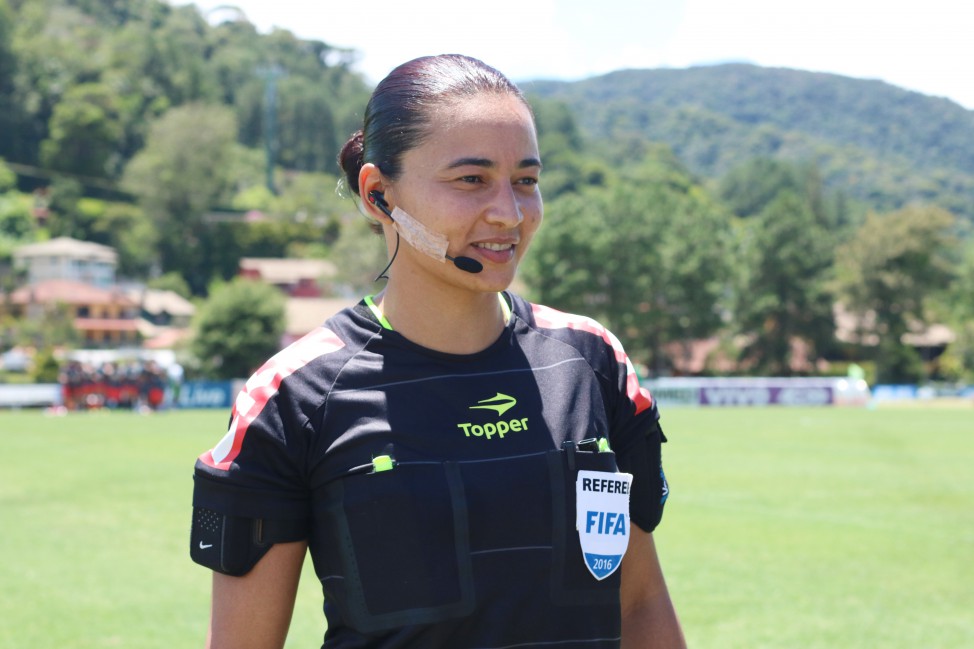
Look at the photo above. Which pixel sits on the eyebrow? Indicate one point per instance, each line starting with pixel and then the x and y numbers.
pixel 490 164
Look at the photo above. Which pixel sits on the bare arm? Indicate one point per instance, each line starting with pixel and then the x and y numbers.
pixel 649 620
pixel 254 611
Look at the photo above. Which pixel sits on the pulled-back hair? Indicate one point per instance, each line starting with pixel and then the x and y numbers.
pixel 397 117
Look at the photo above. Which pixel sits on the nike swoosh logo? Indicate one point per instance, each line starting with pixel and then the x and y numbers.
pixel 500 404
pixel 203 547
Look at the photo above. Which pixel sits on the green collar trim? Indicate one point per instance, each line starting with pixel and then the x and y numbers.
pixel 505 308
pixel 378 314
pixel 369 302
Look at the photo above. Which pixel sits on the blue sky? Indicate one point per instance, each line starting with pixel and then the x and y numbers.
pixel 926 46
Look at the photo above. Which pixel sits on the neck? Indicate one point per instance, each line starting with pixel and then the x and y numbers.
pixel 454 322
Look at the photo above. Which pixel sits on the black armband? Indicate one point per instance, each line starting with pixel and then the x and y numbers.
pixel 649 487
pixel 233 545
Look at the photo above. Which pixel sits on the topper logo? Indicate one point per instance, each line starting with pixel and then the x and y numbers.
pixel 489 430
pixel 499 403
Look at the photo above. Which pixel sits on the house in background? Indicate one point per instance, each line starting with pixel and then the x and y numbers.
pixel 102 317
pixel 79 276
pixel 304 278
pixel 716 356
pixel 162 308
pixel 68 259
pixel 164 317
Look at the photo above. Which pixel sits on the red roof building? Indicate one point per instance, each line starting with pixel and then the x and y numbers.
pixel 102 317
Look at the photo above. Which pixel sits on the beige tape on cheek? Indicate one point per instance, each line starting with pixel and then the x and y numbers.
pixel 419 236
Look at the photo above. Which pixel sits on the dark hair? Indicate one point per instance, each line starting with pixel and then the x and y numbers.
pixel 397 115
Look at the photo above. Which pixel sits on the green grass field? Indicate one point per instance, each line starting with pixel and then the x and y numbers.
pixel 786 528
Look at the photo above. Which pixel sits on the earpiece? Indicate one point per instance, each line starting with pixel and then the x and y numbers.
pixel 378 199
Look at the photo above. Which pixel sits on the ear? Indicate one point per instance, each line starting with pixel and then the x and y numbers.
pixel 370 179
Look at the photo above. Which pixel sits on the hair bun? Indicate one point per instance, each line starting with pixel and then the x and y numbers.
pixel 350 159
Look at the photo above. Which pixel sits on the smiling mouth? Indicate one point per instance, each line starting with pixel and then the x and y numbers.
pixel 498 247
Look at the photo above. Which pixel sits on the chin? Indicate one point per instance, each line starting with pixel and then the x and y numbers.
pixel 495 282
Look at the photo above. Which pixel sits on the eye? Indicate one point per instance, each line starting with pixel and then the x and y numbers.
pixel 471 179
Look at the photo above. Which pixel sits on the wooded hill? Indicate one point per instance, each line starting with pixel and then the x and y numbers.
pixel 730 203
pixel 879 144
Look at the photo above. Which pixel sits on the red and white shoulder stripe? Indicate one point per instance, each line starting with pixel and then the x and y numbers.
pixel 261 388
pixel 548 318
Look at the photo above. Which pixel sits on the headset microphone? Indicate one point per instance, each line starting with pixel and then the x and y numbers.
pixel 421 237
pixel 467 264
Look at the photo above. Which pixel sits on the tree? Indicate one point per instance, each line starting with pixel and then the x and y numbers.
pixel 182 171
pixel 312 199
pixel 238 328
pixel 8 179
pixel 8 107
pixel 17 227
pixel 751 187
pixel 17 224
pixel 957 361
pixel 46 367
pixel 787 256
pixel 124 227
pixel 53 44
pixel 648 256
pixel 178 57
pixel 16 220
pixel 65 220
pixel 170 282
pixel 562 148
pixel 306 126
pixel 358 255
pixel 85 133
pixel 54 328
pixel 58 57
pixel 889 269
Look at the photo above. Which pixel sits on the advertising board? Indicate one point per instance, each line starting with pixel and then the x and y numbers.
pixel 758 391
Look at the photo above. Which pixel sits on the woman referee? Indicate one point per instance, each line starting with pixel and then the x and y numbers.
pixel 467 469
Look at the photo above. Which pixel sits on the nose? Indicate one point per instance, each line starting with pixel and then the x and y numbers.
pixel 506 208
